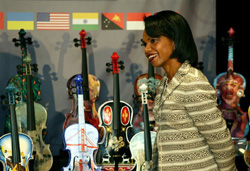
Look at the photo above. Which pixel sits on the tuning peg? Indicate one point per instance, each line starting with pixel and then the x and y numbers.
pixel 34 67
pixel 77 44
pixel 88 40
pixel 121 62
pixel 122 67
pixel 108 64
pixel 109 70
pixel 19 69
pixel 76 40
pixel 14 40
pixel 29 40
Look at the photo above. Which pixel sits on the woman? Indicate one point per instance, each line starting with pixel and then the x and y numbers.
pixel 192 134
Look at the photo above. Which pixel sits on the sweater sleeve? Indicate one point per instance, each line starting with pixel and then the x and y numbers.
pixel 210 123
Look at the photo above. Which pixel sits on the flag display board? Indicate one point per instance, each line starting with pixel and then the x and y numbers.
pixel 113 26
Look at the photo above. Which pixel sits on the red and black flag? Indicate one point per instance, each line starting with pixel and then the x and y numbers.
pixel 112 21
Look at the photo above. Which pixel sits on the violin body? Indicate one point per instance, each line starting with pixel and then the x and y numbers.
pixel 230 91
pixel 26 149
pixel 71 137
pixel 81 139
pixel 91 88
pixel 91 114
pixel 112 143
pixel 115 117
pixel 138 150
pixel 43 159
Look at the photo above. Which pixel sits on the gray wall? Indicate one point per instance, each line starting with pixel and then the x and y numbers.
pixel 57 57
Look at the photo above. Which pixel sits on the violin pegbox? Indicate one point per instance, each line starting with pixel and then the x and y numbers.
pixel 22 41
pixel 27 66
pixel 143 89
pixel 82 41
pixel 114 65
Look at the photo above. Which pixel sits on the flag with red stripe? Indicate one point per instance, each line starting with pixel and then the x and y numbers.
pixel 1 20
pixel 53 21
pixel 135 20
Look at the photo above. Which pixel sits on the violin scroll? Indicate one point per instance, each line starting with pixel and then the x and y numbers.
pixel 22 39
pixel 83 41
pixel 115 65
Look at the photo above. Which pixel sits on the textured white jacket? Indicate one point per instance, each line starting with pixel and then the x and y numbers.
pixel 192 134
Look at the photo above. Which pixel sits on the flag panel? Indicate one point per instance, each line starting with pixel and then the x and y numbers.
pixel 20 20
pixel 112 21
pixel 135 20
pixel 87 21
pixel 53 21
pixel 1 20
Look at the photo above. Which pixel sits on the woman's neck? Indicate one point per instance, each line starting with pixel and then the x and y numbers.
pixel 171 68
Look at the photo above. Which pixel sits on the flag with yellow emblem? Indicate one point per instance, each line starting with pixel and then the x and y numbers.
pixel 112 21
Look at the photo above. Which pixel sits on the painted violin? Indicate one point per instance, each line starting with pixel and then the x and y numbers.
pixel 32 119
pixel 81 139
pixel 151 79
pixel 142 142
pixel 115 117
pixel 19 80
pixel 90 86
pixel 230 87
pixel 16 148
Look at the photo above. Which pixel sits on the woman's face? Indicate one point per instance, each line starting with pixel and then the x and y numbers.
pixel 157 50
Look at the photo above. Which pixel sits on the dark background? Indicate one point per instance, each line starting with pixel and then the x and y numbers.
pixel 231 13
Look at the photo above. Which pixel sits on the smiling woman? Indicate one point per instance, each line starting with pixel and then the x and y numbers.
pixel 192 134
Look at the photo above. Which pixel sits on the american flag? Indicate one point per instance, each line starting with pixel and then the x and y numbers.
pixel 52 21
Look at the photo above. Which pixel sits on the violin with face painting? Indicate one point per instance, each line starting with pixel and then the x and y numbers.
pixel 115 117
pixel 230 87
pixel 90 86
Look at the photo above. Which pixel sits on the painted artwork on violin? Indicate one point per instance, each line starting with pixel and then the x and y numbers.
pixel 91 89
pixel 15 148
pixel 142 142
pixel 31 119
pixel 152 80
pixel 115 117
pixel 81 139
pixel 230 87
pixel 19 81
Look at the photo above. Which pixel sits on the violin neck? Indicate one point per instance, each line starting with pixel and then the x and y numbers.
pixel 31 122
pixel 85 83
pixel 14 136
pixel 116 108
pixel 147 137
pixel 81 124
pixel 151 72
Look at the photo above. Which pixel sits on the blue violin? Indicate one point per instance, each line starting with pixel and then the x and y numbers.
pixel 15 148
